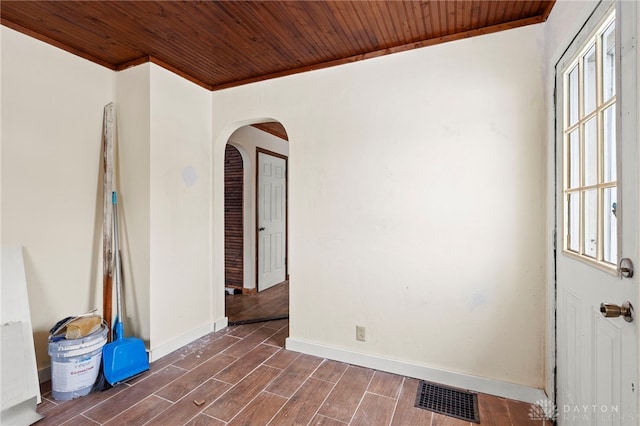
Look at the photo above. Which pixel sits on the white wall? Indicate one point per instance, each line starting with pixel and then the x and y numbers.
pixel 52 107
pixel 165 186
pixel 247 139
pixel 416 205
pixel 133 183
pixel 180 222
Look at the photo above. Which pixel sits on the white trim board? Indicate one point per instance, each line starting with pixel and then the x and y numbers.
pixel 180 341
pixel 220 324
pixel 449 378
pixel 44 374
pixel 183 340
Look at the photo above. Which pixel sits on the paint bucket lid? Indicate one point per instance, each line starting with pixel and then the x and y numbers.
pixel 65 348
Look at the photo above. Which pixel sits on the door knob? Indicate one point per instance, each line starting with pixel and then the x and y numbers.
pixel 262 228
pixel 609 310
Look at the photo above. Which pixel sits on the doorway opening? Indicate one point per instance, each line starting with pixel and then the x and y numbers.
pixel 256 276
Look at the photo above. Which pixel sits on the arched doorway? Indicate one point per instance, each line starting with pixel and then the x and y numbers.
pixel 245 248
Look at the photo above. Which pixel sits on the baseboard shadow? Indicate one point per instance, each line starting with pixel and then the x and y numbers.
pixel 252 321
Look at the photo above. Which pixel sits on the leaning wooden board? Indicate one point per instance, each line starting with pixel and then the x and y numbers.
pixel 107 226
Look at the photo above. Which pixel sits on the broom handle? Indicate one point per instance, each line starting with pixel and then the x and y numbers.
pixel 107 222
pixel 116 249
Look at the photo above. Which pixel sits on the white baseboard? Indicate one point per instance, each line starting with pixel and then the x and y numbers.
pixel 180 341
pixel 166 348
pixel 44 374
pixel 449 378
pixel 220 324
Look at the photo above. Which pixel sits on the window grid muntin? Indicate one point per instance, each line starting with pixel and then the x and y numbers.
pixel 598 112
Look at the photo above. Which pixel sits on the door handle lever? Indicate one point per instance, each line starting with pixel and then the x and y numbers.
pixel 262 228
pixel 625 268
pixel 610 310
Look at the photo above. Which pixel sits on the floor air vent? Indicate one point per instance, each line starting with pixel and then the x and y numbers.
pixel 451 402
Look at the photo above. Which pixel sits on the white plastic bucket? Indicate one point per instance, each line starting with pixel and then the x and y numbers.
pixel 75 364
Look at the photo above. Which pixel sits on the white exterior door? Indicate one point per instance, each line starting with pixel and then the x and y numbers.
pixel 272 220
pixel 597 187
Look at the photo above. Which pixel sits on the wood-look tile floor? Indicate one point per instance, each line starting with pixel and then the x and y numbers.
pixel 242 375
pixel 270 303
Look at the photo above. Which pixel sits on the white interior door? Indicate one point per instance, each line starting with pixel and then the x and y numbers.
pixel 597 221
pixel 272 220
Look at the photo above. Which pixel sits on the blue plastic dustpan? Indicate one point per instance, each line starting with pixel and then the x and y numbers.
pixel 124 358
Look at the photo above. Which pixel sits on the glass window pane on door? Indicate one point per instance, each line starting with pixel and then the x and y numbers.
pixel 609 144
pixel 591 223
pixel 590 80
pixel 573 165
pixel 610 225
pixel 591 152
pixel 608 62
pixel 589 137
pixel 573 97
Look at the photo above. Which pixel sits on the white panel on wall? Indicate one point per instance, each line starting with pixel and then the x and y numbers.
pixel 20 387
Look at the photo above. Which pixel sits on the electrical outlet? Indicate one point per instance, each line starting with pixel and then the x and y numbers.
pixel 360 333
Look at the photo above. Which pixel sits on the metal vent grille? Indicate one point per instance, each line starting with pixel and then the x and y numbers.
pixel 451 402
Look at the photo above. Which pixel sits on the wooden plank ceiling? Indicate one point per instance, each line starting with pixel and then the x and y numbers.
pixel 220 44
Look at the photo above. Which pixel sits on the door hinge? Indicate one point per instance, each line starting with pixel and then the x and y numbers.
pixel 555 239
